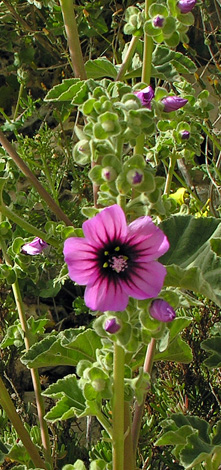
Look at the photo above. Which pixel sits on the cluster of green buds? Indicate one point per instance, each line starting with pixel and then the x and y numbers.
pixel 168 22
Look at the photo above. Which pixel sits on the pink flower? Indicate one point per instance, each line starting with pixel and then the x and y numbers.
pixel 162 311
pixel 145 96
pixel 186 5
pixel 116 261
pixel 35 247
pixel 172 103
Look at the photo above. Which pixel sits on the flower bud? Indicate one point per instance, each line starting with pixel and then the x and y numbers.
pixel 185 135
pixel 186 5
pixel 109 174
pixel 158 21
pixel 135 176
pixel 111 326
pixel 35 247
pixel 172 103
pixel 162 311
pixel 145 96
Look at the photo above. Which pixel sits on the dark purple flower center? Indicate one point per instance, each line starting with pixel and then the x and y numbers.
pixel 115 259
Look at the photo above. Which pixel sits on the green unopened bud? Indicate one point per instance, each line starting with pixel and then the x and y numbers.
pixel 82 152
pixel 109 174
pixel 108 126
pixel 98 385
pixel 135 177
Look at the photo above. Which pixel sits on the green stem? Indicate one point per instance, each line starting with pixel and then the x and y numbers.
pixel 172 163
pixel 34 373
pixel 27 172
pixel 129 463
pixel 118 408
pixel 21 88
pixel 26 226
pixel 104 422
pixel 128 58
pixel 8 406
pixel 139 148
pixel 138 414
pixel 70 24
pixel 148 49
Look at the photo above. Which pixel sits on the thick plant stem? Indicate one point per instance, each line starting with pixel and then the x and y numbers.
pixel 34 373
pixel 70 24
pixel 136 426
pixel 148 49
pixel 118 408
pixel 27 172
pixel 172 163
pixel 128 58
pixel 129 462
pixel 8 406
pixel 26 226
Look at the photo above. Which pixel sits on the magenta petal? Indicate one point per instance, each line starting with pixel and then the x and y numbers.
pixel 109 224
pixel 148 239
pixel 146 281
pixel 104 296
pixel 80 258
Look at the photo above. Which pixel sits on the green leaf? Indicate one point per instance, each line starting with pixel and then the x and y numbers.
pixel 66 348
pixel 177 351
pixel 193 439
pixel 71 400
pixel 213 347
pixel 55 93
pixel 78 465
pixel 215 244
pixel 99 68
pixel 191 263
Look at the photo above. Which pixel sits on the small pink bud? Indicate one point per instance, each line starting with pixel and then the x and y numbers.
pixel 185 135
pixel 135 176
pixel 186 5
pixel 162 311
pixel 172 103
pixel 111 326
pixel 158 21
pixel 145 96
pixel 35 247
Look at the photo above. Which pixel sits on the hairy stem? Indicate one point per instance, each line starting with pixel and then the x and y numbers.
pixel 27 172
pixel 172 163
pixel 26 226
pixel 8 406
pixel 70 24
pixel 118 408
pixel 129 462
pixel 34 373
pixel 128 58
pixel 136 426
pixel 148 49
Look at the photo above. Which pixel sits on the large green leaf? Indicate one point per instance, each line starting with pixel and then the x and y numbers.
pixel 191 262
pixel 194 440
pixel 67 348
pixel 71 400
pixel 100 68
pixel 213 347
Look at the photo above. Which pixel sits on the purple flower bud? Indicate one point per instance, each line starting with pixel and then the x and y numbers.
pixel 158 21
pixel 111 326
pixel 162 311
pixel 35 247
pixel 109 173
pixel 186 5
pixel 145 96
pixel 135 176
pixel 185 135
pixel 172 103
